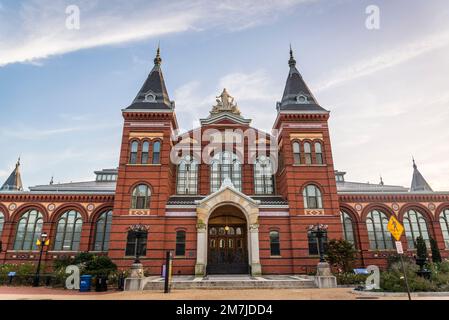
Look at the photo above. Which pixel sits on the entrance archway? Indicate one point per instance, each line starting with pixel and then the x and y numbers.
pixel 227 251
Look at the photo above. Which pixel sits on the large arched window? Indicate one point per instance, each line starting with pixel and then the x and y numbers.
pixel 68 232
pixel 141 197
pixel 348 227
pixel 28 231
pixel 145 152
pixel 275 248
pixel 378 234
pixel 2 221
pixel 225 165
pixel 102 231
pixel 444 222
pixel 133 152
pixel 187 182
pixel 319 153
pixel 312 197
pixel 307 153
pixel 296 153
pixel 263 176
pixel 415 225
pixel 157 152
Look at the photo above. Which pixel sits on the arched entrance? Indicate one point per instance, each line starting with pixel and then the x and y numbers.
pixel 227 251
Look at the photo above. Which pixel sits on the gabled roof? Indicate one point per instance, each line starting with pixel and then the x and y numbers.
pixel 297 95
pixel 14 181
pixel 153 95
pixel 418 181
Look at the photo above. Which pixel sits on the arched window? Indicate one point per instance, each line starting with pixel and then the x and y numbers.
pixel 318 153
pixel 444 222
pixel 145 152
pixel 156 152
pixel 225 165
pixel 263 176
pixel 187 182
pixel 141 197
pixel 275 249
pixel 296 153
pixel 348 227
pixel 68 231
pixel 180 243
pixel 312 197
pixel 133 153
pixel 2 221
pixel 307 153
pixel 102 231
pixel 378 234
pixel 415 225
pixel 28 231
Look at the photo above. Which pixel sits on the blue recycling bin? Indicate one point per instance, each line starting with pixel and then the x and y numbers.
pixel 85 282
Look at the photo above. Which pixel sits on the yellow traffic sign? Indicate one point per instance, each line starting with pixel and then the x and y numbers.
pixel 395 228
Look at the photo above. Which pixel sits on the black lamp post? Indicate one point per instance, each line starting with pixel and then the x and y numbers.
pixel 139 231
pixel 319 230
pixel 41 242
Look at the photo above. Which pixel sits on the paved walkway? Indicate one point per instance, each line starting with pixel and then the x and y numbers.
pixel 30 293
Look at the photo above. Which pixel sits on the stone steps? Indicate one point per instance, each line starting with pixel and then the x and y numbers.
pixel 223 283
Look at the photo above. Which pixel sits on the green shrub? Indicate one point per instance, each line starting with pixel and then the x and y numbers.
pixel 436 256
pixel 341 254
pixel 350 278
pixel 393 280
pixel 88 263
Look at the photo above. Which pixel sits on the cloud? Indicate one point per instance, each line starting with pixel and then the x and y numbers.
pixel 385 60
pixel 39 29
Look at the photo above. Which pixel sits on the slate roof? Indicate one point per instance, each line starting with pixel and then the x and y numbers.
pixel 77 187
pixel 296 89
pixel 347 186
pixel 14 181
pixel 418 182
pixel 154 88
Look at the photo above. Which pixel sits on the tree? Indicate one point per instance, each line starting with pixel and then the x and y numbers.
pixel 341 254
pixel 421 249
pixel 436 256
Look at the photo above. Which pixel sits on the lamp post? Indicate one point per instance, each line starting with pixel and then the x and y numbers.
pixel 139 231
pixel 319 230
pixel 41 242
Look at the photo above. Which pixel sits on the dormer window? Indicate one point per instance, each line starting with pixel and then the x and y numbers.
pixel 150 97
pixel 301 99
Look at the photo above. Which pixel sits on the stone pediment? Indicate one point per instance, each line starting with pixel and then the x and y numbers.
pixel 225 118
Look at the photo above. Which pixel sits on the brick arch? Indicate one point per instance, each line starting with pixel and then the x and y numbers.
pixel 439 210
pixel 131 188
pixel 376 206
pixel 351 211
pixel 5 212
pixel 417 207
pixel 28 206
pixel 70 206
pixel 98 211
pixel 312 182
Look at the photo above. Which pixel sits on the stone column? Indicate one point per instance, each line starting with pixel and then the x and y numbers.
pixel 256 269
pixel 201 247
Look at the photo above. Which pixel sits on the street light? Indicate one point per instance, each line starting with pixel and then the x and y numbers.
pixel 41 242
pixel 319 230
pixel 139 231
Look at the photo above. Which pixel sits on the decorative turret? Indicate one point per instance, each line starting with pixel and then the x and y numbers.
pixel 153 95
pixel 14 181
pixel 418 181
pixel 297 95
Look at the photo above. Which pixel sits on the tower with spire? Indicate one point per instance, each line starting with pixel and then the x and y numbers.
pixel 14 181
pixel 419 184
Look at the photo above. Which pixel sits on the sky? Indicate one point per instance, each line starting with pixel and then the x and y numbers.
pixel 62 88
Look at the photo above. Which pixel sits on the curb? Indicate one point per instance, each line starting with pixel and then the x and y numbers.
pixel 400 294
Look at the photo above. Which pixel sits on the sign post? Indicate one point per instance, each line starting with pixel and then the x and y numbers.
pixel 396 229
pixel 168 271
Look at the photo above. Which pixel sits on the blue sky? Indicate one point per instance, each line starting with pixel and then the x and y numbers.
pixel 62 91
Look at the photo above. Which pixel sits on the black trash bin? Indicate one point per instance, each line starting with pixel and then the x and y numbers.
pixel 101 284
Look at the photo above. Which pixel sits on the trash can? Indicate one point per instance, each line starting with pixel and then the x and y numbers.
pixel 85 282
pixel 101 284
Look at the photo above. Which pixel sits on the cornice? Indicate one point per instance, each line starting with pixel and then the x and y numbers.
pixel 25 197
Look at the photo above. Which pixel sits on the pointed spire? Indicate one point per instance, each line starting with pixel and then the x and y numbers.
pixel 14 181
pixel 418 181
pixel 153 94
pixel 297 95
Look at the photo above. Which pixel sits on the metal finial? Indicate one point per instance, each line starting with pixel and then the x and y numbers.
pixel 291 61
pixel 158 60
pixel 414 163
pixel 381 181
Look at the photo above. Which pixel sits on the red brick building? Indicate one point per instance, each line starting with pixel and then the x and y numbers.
pixel 224 197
